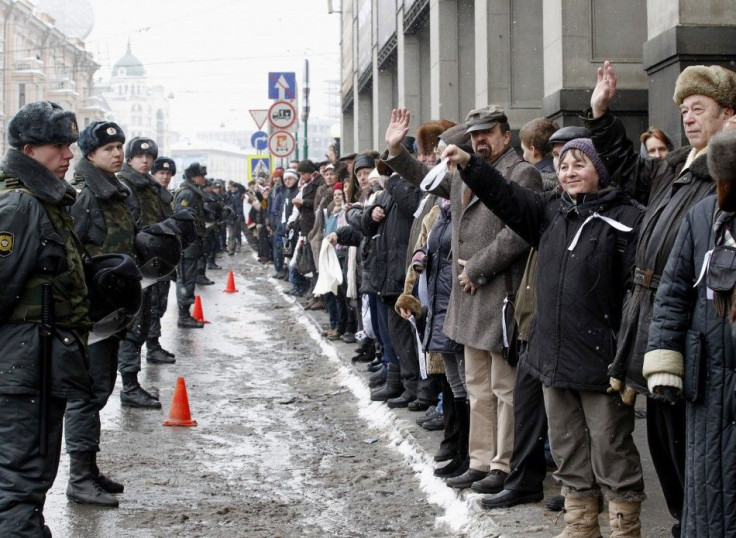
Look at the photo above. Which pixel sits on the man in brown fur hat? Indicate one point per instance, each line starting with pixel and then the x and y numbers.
pixel 706 98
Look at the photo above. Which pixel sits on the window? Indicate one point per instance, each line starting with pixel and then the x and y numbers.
pixel 21 94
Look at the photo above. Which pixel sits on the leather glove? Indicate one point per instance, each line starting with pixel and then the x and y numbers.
pixel 667 394
pixel 628 395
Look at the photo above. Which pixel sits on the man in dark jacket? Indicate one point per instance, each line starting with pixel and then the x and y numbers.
pixel 163 170
pixel 706 97
pixel 191 198
pixel 691 343
pixel 37 247
pixel 104 225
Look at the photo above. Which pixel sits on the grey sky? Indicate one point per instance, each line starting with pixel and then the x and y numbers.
pixel 215 56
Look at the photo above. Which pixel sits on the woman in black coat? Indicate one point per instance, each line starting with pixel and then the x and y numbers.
pixel 586 235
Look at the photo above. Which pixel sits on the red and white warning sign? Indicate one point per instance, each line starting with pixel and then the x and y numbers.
pixel 281 144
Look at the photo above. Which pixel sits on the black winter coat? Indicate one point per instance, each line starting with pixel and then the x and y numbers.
pixel 580 292
pixel 669 196
pixel 390 237
pixel 439 285
pixel 685 322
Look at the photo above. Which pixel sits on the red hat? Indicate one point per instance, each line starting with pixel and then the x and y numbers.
pixel 337 187
pixel 278 172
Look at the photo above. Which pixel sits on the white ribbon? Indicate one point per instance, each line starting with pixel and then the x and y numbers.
pixel 432 180
pixel 420 351
pixel 704 269
pixel 613 223
pixel 503 323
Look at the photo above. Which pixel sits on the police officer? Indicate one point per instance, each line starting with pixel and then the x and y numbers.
pixel 213 208
pixel 191 198
pixel 163 170
pixel 147 208
pixel 104 225
pixel 37 247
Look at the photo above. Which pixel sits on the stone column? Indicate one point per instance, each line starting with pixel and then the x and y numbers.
pixel 578 36
pixel 683 33
pixel 408 75
pixel 443 59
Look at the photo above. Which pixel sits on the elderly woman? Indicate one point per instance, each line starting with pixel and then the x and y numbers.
pixel 585 233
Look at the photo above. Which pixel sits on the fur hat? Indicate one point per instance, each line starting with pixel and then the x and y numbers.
pixel 306 167
pixel 40 123
pixel 715 82
pixel 140 146
pixel 164 163
pixel 99 133
pixel 586 146
pixel 195 170
pixel 428 135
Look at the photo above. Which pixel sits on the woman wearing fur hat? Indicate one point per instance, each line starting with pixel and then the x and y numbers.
pixel 586 235
pixel 692 339
pixel 705 97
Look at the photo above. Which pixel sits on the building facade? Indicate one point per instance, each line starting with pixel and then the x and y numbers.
pixel 442 58
pixel 41 62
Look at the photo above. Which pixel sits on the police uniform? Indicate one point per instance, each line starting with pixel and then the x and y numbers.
pixel 37 247
pixel 144 203
pixel 190 197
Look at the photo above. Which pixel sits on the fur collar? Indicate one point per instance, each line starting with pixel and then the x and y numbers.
pixel 37 178
pixel 102 186
pixel 139 181
pixel 164 194
pixel 189 184
pixel 676 159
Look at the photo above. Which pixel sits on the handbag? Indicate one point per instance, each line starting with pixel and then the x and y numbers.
pixel 510 328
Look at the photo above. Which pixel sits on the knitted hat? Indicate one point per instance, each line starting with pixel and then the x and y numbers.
pixel 291 174
pixel 99 133
pixel 278 172
pixel 140 146
pixel 715 82
pixel 164 163
pixel 586 146
pixel 40 123
pixel 337 186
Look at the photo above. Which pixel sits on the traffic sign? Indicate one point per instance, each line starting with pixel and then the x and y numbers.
pixel 258 164
pixel 259 140
pixel 282 115
pixel 281 143
pixel 281 86
pixel 259 116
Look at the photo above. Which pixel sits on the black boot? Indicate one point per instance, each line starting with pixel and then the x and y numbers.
pixel 378 378
pixel 393 387
pixel 157 355
pixel 82 486
pixel 133 394
pixel 105 483
pixel 461 461
pixel 367 354
pixel 153 343
pixel 186 321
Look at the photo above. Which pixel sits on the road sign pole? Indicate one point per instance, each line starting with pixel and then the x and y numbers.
pixel 305 108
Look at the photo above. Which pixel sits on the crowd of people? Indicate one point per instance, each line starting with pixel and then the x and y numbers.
pixel 523 299
pixel 520 299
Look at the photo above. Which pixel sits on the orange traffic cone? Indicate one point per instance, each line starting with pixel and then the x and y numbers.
pixel 197 311
pixel 179 414
pixel 230 288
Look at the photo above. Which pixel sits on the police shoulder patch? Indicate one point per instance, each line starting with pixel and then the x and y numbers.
pixel 184 203
pixel 6 244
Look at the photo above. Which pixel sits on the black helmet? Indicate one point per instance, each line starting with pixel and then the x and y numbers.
pixel 114 287
pixel 182 222
pixel 159 251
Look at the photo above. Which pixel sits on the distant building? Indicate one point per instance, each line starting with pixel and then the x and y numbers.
pixel 42 62
pixel 139 108
pixel 223 161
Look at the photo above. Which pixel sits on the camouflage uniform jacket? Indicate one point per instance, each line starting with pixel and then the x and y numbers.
pixel 144 201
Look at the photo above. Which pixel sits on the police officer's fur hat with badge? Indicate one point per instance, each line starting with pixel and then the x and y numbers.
pixel 140 146
pixel 41 123
pixel 99 133
pixel 195 170
pixel 164 163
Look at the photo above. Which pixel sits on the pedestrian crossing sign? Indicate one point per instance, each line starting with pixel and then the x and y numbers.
pixel 258 164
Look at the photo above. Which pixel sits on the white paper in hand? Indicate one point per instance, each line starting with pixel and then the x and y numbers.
pixel 432 180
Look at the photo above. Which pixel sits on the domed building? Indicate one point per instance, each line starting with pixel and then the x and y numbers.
pixel 139 108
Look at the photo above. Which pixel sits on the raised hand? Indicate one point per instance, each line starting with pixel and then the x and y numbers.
pixel 604 90
pixel 397 129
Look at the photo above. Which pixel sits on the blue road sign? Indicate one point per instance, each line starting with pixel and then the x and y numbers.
pixel 282 86
pixel 258 164
pixel 259 140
